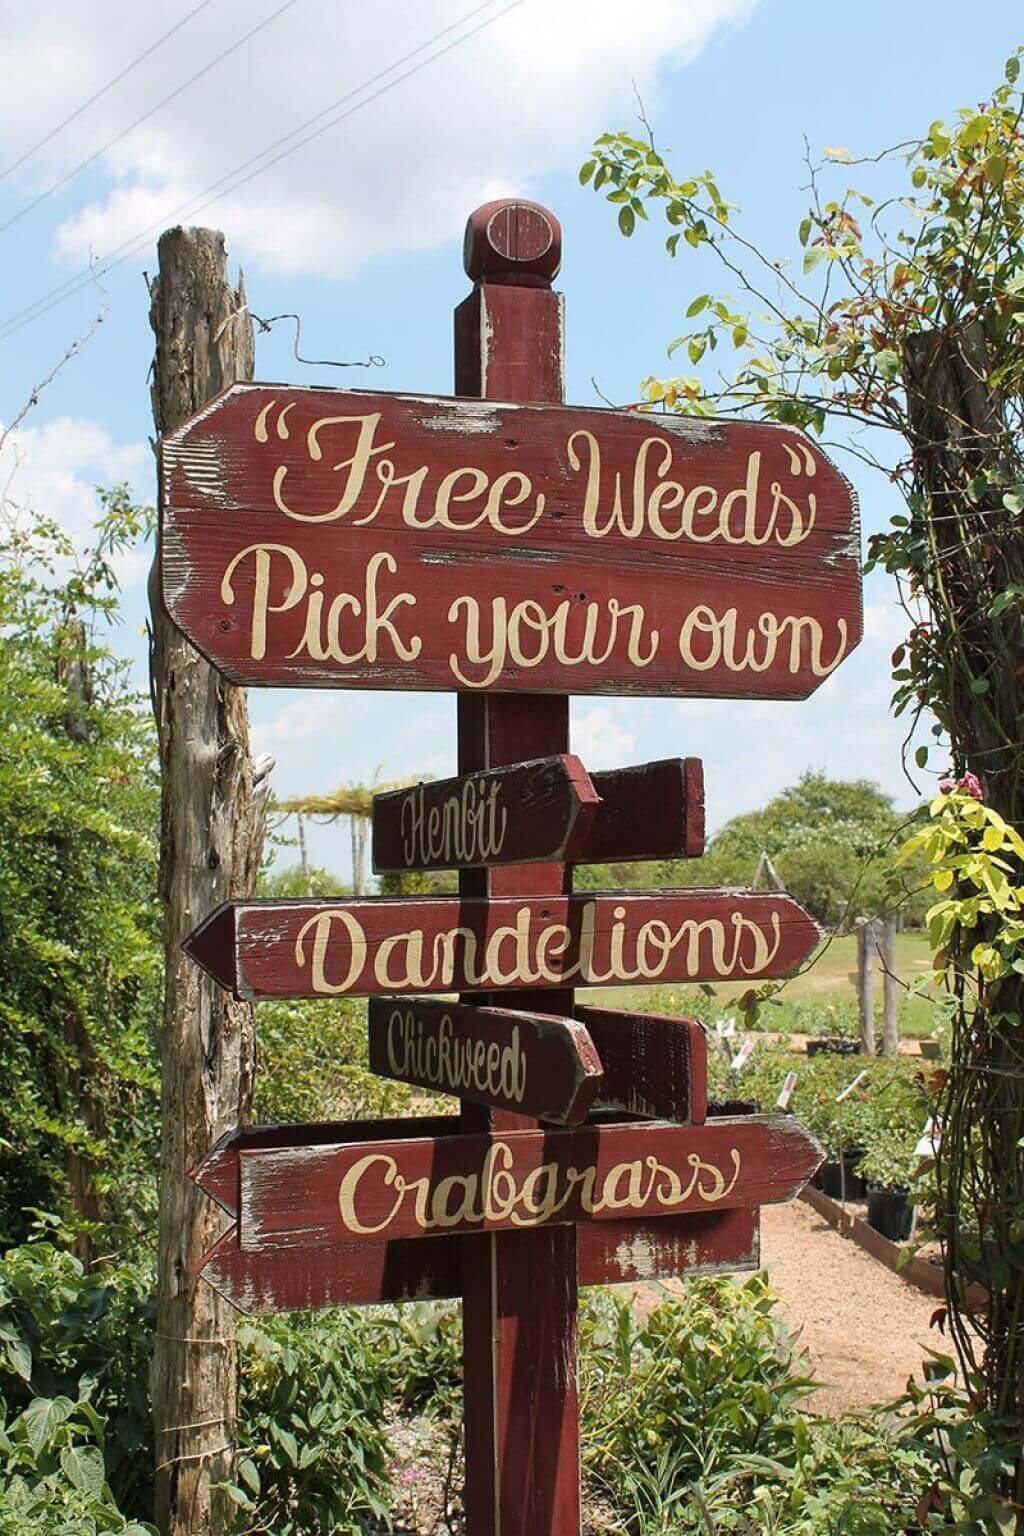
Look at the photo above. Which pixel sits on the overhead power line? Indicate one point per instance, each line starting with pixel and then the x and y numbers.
pixel 150 112
pixel 234 179
pixel 139 59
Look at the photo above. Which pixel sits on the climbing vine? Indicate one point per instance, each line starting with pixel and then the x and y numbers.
pixel 899 322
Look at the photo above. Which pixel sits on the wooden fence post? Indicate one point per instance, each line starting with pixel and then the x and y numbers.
pixel 866 983
pixel 211 838
pixel 887 951
pixel 519 1289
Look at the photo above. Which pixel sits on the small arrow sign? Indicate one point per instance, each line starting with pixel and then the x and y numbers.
pixel 530 1063
pixel 531 812
pixel 549 808
pixel 445 944
pixel 517 1180
pixel 653 1065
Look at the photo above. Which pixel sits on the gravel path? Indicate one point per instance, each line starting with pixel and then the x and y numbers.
pixel 865 1329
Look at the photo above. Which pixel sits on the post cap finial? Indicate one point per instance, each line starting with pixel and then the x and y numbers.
pixel 513 241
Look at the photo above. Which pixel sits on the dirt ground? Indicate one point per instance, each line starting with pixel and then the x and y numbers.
pixel 865 1329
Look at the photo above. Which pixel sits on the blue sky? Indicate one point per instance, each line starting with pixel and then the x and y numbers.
pixel 360 232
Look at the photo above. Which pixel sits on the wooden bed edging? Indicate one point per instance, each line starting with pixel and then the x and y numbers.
pixel 917 1272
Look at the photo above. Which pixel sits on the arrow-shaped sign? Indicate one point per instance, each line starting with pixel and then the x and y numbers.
pixel 653 1065
pixel 524 814
pixel 419 1187
pixel 365 1273
pixel 444 944
pixel 530 1063
pixel 549 808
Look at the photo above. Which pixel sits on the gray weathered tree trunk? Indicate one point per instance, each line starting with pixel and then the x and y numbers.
pixel 890 1005
pixel 866 983
pixel 211 839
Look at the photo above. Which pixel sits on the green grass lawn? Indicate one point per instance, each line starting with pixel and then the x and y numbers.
pixel 827 984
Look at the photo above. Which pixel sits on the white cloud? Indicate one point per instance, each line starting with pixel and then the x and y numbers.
pixel 599 737
pixel 523 97
pixel 52 471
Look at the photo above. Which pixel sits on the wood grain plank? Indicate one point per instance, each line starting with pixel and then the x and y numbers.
pixel 518 1180
pixel 443 944
pixel 313 537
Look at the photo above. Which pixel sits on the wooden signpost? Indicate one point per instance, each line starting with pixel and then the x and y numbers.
pixel 432 944
pixel 652 1065
pixel 551 809
pixel 528 1063
pixel 518 1180
pixel 515 550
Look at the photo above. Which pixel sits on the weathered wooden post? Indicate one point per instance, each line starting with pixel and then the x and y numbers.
pixel 212 832
pixel 890 1018
pixel 519 1290
pixel 866 983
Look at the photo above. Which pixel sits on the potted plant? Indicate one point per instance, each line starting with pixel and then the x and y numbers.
pixel 836 1116
pixel 890 1166
pixel 833 1032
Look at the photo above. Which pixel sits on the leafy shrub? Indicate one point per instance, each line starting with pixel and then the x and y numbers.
pixel 426 1359
pixel 84 1338
pixel 313 1064
pixel 53 1476
pixel 312 1438
pixel 80 958
pixel 692 1422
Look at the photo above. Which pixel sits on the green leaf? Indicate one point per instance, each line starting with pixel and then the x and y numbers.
pixel 1013 502
pixel 700 302
pixel 888 363
pixel 42 1417
pixel 83 1467
pixel 587 170
pixel 813 256
pixel 19 1357
pixel 804 232
pixel 918 176
pixel 980 685
pixel 921 757
pixel 627 221
pixel 288 1443
pixel 250 1476
pixel 1012 70
pixel 974 131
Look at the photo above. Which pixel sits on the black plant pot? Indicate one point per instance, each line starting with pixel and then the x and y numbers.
pixel 891 1212
pixel 842 1181
pixel 833 1045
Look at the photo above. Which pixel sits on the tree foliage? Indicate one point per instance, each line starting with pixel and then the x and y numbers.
pixel 904 315
pixel 79 960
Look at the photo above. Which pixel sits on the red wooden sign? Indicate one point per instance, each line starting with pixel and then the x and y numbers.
pixel 447 944
pixel 524 814
pixel 653 1066
pixel 548 809
pixel 367 1273
pixel 517 1180
pixel 652 811
pixel 529 1063
pixel 334 538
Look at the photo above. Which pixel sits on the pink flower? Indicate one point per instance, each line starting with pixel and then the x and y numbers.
pixel 970 784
